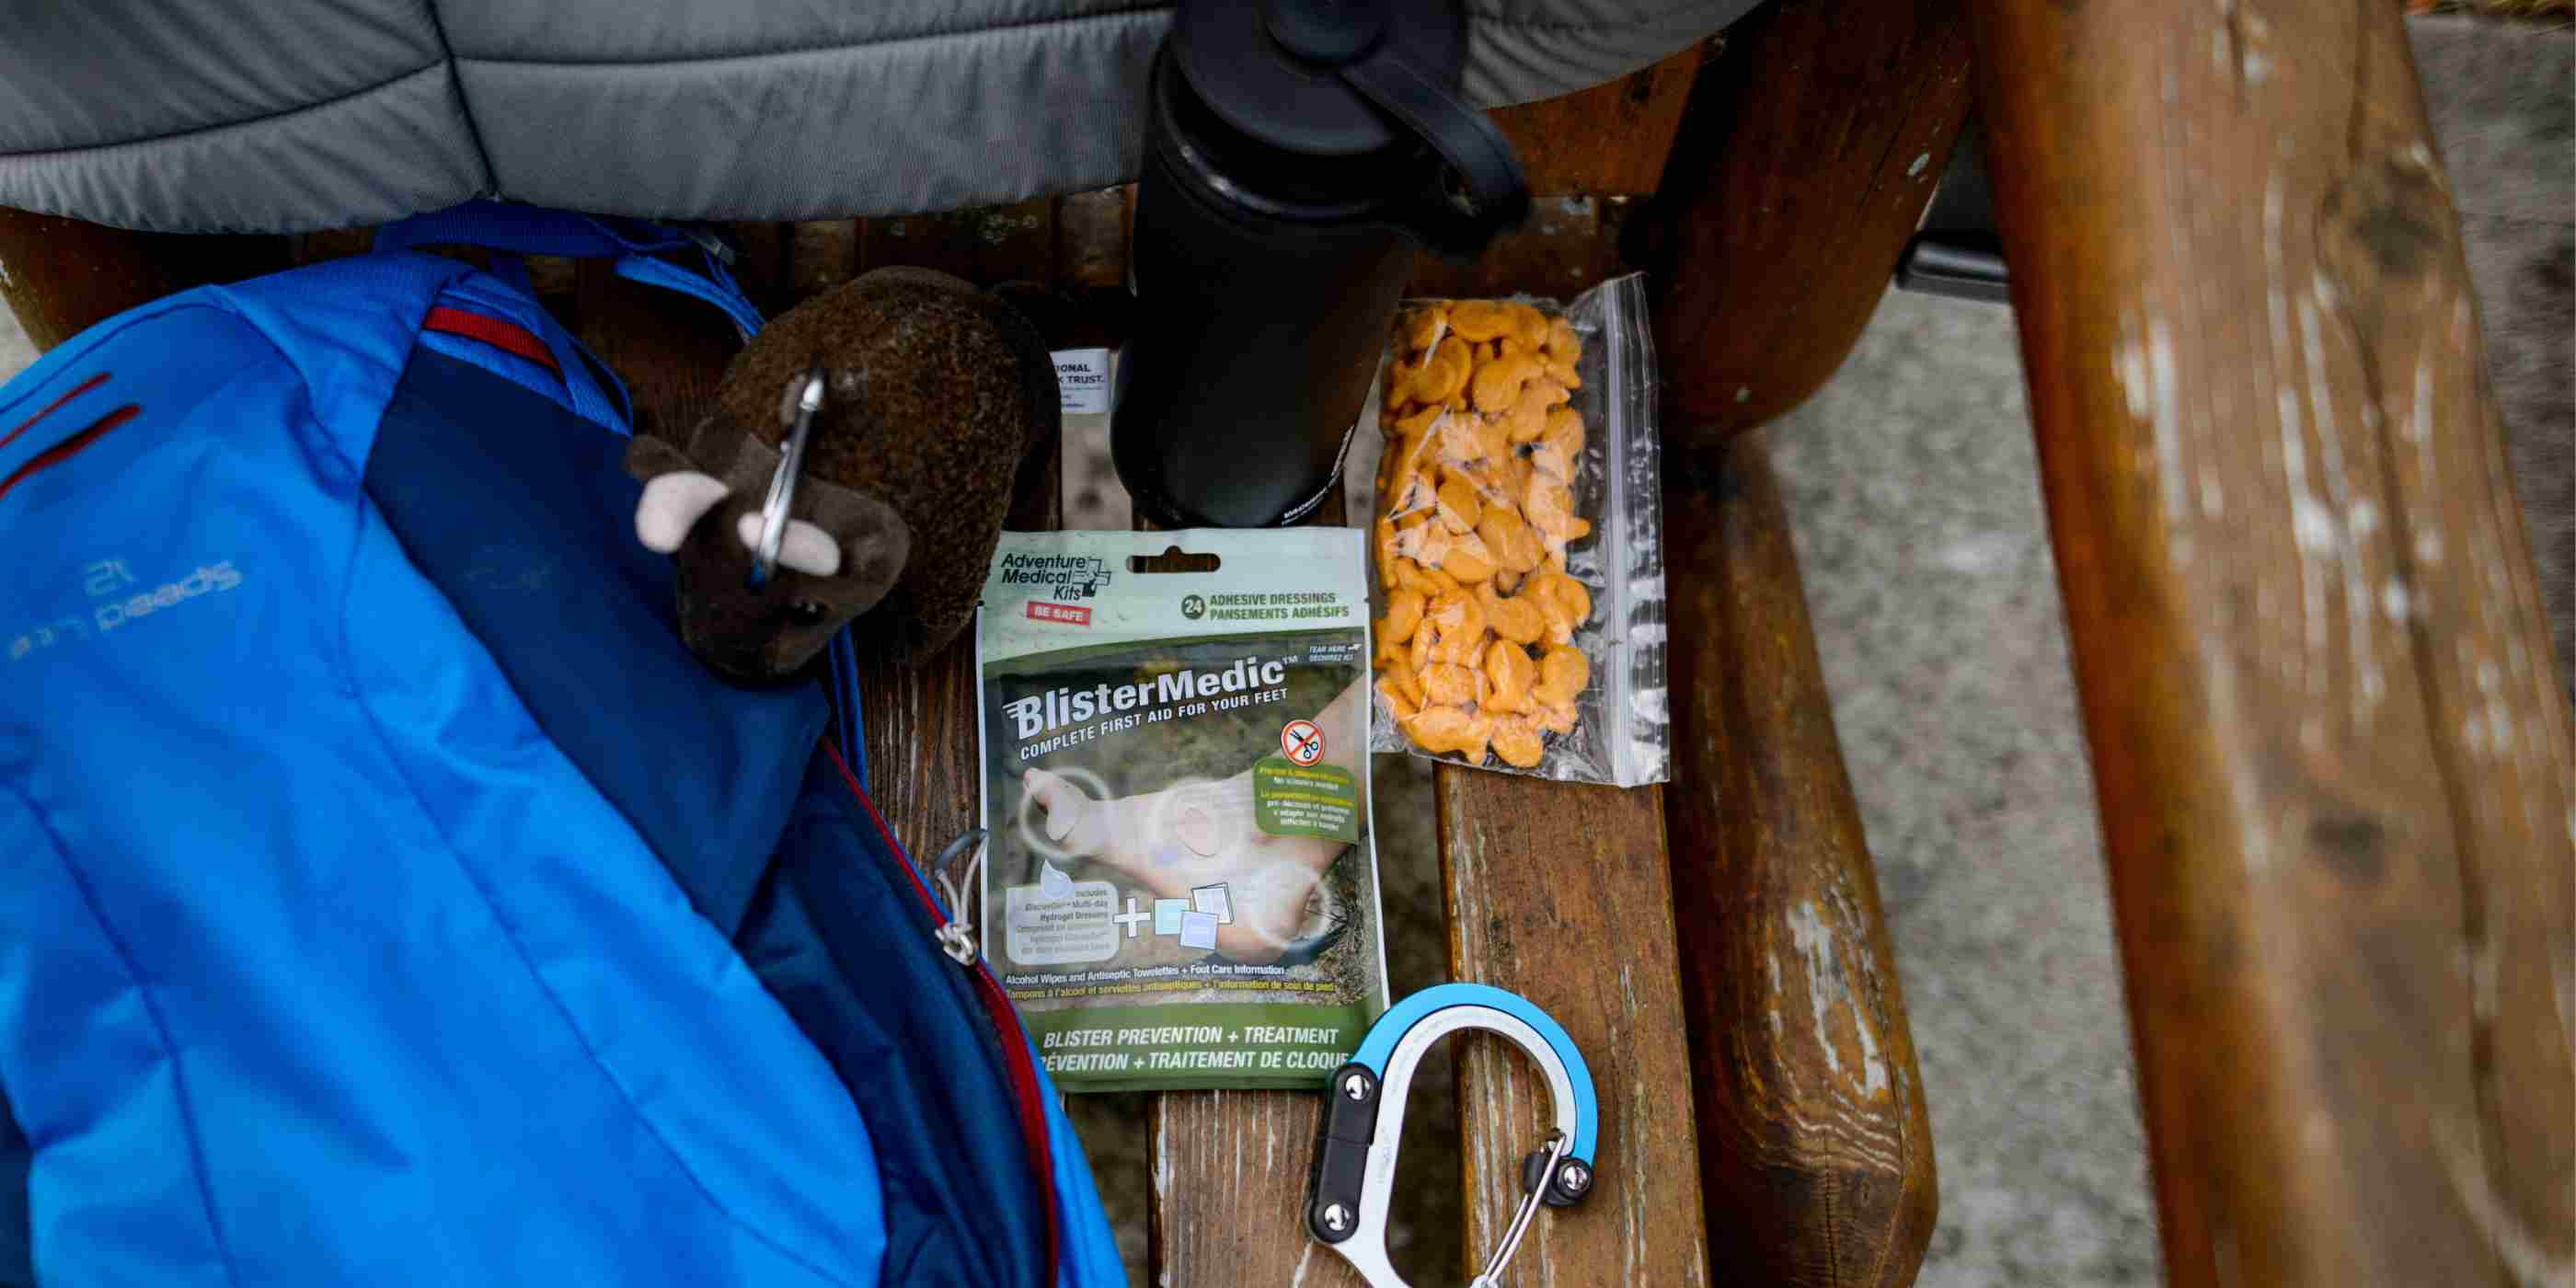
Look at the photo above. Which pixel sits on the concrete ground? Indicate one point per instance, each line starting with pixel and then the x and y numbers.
pixel 1915 496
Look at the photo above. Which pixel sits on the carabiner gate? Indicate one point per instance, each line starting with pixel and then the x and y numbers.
pixel 782 484
pixel 1354 1173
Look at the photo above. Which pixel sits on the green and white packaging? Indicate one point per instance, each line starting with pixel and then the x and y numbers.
pixel 1180 887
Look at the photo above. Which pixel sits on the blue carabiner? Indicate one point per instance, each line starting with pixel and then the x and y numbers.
pixel 1355 1155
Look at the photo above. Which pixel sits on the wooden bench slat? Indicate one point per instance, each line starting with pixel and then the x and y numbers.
pixel 1560 892
pixel 1815 1134
pixel 1229 1204
pixel 2332 756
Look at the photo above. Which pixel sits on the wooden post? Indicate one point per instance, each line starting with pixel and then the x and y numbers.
pixel 2332 756
pixel 1816 1147
pixel 1610 140
pixel 1806 157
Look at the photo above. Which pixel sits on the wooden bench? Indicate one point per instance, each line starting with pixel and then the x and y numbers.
pixel 2332 757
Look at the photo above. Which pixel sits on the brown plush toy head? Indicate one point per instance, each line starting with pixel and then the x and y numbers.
pixel 933 394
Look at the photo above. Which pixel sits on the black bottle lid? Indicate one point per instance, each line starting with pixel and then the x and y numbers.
pixel 1319 80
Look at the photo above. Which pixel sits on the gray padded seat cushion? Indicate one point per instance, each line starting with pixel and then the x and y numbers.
pixel 292 115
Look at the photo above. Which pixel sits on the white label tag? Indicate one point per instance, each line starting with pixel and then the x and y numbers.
pixel 1039 930
pixel 1082 380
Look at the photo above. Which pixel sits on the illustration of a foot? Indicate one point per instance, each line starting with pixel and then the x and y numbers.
pixel 1190 835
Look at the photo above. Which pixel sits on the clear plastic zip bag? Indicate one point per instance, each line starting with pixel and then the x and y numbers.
pixel 1515 528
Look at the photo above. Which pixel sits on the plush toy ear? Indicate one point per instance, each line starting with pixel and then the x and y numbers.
pixel 803 547
pixel 672 504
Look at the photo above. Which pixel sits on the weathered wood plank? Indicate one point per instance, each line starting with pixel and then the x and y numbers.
pixel 2332 758
pixel 669 349
pixel 1091 232
pixel 335 243
pixel 822 254
pixel 1816 1147
pixel 1560 892
pixel 1611 139
pixel 1568 245
pixel 1230 1191
pixel 62 276
pixel 987 246
pixel 1811 145
pixel 764 255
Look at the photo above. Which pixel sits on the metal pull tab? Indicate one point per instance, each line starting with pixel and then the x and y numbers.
pixel 956 936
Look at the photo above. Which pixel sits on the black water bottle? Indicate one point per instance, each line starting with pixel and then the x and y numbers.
pixel 1298 153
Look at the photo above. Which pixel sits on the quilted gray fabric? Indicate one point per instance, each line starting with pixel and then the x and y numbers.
pixel 293 115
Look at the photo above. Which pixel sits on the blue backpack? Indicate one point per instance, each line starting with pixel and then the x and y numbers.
pixel 386 896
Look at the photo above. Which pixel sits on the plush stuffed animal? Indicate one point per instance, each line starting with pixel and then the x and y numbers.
pixel 933 394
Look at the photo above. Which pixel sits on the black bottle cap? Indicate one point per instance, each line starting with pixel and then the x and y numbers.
pixel 1272 71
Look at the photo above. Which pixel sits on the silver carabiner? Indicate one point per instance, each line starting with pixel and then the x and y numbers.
pixel 1354 1173
pixel 782 483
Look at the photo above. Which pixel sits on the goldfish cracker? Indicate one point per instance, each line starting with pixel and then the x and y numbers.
pixel 1448 684
pixel 1548 461
pixel 1412 576
pixel 1397 699
pixel 1423 327
pixel 1390 653
pixel 1562 601
pixel 1564 432
pixel 1562 675
pixel 1509 539
pixel 1439 729
pixel 1417 423
pixel 1446 373
pixel 1455 624
pixel 1516 739
pixel 1511 676
pixel 1465 558
pixel 1402 378
pixel 1496 385
pixel 1549 506
pixel 1562 341
pixel 1481 320
pixel 1527 418
pixel 1517 618
pixel 1403 613
pixel 1459 508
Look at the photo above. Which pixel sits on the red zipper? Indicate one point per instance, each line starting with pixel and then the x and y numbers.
pixel 1018 1062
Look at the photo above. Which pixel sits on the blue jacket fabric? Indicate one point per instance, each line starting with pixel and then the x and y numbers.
pixel 386 897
